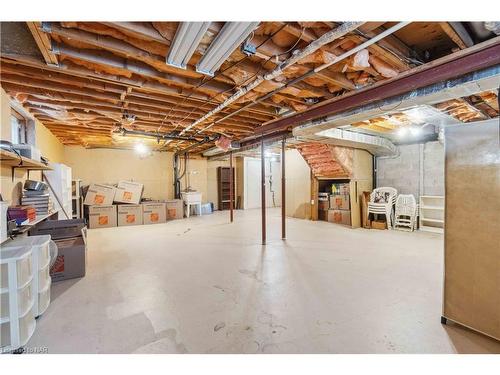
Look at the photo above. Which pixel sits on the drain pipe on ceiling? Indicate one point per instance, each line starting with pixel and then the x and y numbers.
pixel 345 55
pixel 326 38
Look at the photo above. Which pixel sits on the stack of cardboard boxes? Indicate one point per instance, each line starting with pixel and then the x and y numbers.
pixel 337 208
pixel 128 209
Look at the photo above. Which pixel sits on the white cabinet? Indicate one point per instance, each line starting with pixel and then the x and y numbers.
pixel 59 180
pixel 432 213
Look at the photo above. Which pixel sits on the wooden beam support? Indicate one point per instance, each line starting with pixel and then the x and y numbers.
pixel 43 42
pixel 457 34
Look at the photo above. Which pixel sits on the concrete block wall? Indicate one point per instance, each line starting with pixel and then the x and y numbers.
pixel 433 169
pixel 418 169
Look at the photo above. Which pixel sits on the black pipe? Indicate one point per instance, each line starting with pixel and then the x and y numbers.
pixel 162 136
pixel 203 141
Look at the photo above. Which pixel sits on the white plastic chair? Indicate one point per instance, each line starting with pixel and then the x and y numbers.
pixel 406 212
pixel 382 200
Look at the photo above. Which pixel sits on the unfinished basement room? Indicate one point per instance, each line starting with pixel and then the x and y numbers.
pixel 249 187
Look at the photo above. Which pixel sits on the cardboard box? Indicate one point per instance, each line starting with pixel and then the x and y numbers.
pixel 339 202
pixel 340 188
pixel 323 205
pixel 71 259
pixel 102 216
pixel 154 213
pixel 339 216
pixel 58 229
pixel 175 209
pixel 128 192
pixel 379 224
pixel 129 214
pixel 98 194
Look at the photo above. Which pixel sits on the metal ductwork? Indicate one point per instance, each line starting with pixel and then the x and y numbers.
pixel 378 146
pixel 470 84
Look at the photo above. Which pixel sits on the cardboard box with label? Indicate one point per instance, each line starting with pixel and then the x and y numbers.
pixel 98 194
pixel 175 209
pixel 339 202
pixel 71 259
pixel 340 217
pixel 102 216
pixel 128 192
pixel 154 213
pixel 129 214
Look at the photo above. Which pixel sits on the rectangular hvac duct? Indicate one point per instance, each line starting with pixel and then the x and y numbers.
pixel 186 40
pixel 228 39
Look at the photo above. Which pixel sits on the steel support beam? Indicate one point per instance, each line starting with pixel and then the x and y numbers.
pixel 231 195
pixel 283 191
pixel 479 57
pixel 263 188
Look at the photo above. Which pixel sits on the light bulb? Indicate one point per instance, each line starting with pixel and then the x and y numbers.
pixel 141 149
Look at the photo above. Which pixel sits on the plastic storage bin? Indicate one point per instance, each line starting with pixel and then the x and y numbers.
pixel 23 265
pixel 43 278
pixel 24 300
pixel 40 247
pixel 25 328
pixel 17 275
pixel 44 299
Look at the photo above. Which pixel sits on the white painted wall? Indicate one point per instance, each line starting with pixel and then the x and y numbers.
pixel 252 190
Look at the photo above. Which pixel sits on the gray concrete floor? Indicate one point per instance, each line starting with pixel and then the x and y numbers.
pixel 202 285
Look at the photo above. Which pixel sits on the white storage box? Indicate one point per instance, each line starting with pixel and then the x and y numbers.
pixel 44 299
pixel 43 279
pixel 17 274
pixel 23 263
pixel 24 300
pixel 12 339
pixel 39 246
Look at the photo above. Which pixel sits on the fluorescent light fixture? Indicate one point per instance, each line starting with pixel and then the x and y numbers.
pixel 186 40
pixel 229 38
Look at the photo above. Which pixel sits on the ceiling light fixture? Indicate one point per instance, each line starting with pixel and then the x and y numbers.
pixel 141 149
pixel 415 130
pixel 402 131
pixel 186 40
pixel 229 38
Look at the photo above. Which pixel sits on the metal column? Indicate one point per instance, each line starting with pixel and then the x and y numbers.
pixel 263 189
pixel 231 195
pixel 283 191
